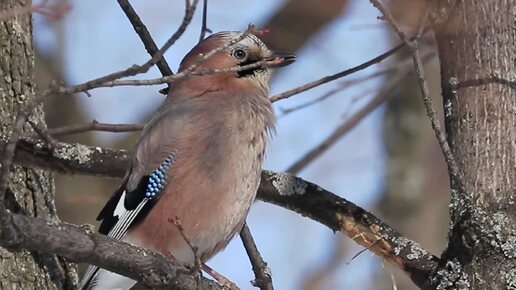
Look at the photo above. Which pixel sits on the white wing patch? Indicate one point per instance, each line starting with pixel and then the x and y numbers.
pixel 120 208
pixel 125 219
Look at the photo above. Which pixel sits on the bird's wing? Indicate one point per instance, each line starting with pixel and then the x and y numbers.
pixel 153 156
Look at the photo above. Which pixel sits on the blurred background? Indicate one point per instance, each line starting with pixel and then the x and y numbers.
pixel 389 163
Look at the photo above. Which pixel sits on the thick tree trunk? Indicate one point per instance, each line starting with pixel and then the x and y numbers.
pixel 477 50
pixel 29 191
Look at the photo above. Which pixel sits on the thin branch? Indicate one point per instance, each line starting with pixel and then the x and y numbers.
pixel 261 270
pixel 318 100
pixel 145 36
pixel 338 75
pixel 93 126
pixel 250 29
pixel 413 45
pixel 43 134
pixel 401 66
pixel 282 189
pixel 113 79
pixel 349 124
pixel 135 69
pixel 204 26
pixel 191 72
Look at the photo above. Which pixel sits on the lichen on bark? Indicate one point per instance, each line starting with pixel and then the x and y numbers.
pixel 476 41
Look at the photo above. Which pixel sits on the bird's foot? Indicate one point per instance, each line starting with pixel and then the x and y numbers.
pixel 219 278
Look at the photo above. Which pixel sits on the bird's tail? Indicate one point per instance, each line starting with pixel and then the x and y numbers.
pixel 101 279
pixel 88 280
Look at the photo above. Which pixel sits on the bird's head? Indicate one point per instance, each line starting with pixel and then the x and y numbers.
pixel 246 62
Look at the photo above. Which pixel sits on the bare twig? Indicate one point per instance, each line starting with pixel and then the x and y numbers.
pixel 190 72
pixel 201 59
pixel 349 124
pixel 333 77
pixel 204 26
pixel 413 45
pixel 362 251
pixel 261 270
pixel 198 264
pixel 197 261
pixel 145 36
pixel 43 134
pixel 282 189
pixel 189 12
pixel 318 100
pixel 401 66
pixel 93 126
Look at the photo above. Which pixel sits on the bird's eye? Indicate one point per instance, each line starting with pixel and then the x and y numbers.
pixel 239 54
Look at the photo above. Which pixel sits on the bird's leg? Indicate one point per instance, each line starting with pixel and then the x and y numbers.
pixel 219 278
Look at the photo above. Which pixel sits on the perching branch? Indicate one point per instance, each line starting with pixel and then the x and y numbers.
pixel 81 244
pixel 282 189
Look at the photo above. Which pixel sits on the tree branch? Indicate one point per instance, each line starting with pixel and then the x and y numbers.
pixel 282 189
pixel 82 245
pixel 312 201
pixel 261 270
pixel 204 26
pixel 145 36
pixel 93 126
pixel 338 75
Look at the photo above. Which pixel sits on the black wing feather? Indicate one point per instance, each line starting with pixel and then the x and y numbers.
pixel 132 200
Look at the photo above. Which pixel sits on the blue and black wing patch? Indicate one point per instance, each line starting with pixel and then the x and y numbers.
pixel 158 178
pixel 125 209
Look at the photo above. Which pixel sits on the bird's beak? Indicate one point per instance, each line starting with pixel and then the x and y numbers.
pixel 287 58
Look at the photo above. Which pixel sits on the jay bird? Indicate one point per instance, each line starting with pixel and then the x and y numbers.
pixel 198 160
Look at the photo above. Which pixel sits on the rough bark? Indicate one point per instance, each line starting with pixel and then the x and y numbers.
pixel 30 190
pixel 477 44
